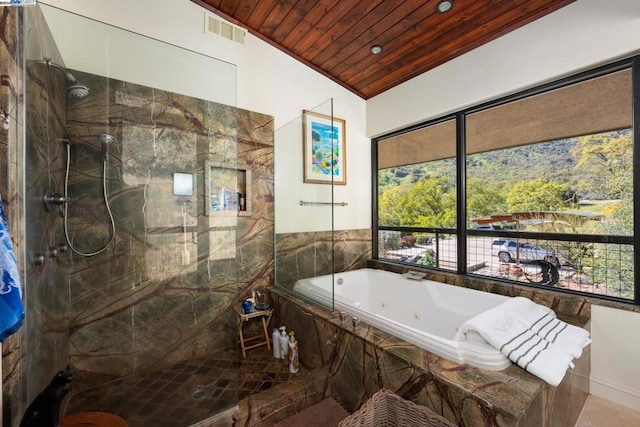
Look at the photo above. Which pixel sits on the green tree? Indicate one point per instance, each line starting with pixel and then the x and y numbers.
pixel 620 221
pixel 538 195
pixel 392 205
pixel 482 200
pixel 607 160
pixel 431 203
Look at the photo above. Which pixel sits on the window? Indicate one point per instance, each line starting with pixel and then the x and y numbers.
pixel 417 196
pixel 548 188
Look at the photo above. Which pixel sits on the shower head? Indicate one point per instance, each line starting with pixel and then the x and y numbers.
pixel 74 88
pixel 77 90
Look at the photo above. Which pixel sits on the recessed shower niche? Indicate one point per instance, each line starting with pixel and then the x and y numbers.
pixel 227 190
pixel 227 197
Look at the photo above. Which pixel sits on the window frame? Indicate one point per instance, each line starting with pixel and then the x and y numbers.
pixel 461 231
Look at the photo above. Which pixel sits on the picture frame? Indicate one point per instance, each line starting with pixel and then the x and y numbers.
pixel 324 149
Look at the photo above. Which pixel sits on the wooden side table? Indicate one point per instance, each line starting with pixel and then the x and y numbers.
pixel 265 316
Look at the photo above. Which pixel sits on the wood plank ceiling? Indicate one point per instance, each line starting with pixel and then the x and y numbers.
pixel 335 37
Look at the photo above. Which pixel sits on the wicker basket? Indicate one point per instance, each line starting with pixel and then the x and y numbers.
pixel 387 409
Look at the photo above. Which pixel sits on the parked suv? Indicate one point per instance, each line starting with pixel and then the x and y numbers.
pixel 506 250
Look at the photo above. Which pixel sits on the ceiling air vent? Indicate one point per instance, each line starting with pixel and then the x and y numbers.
pixel 218 26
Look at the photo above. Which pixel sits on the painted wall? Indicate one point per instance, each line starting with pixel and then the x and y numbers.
pixel 109 51
pixel 291 88
pixel 614 354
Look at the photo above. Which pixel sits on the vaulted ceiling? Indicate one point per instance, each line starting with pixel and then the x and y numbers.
pixel 335 37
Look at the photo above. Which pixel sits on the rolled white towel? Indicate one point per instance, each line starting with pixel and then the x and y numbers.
pixel 543 321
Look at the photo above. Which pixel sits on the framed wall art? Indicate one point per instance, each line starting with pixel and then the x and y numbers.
pixel 324 150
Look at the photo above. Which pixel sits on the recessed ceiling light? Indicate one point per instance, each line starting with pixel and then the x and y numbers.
pixel 445 6
pixel 376 49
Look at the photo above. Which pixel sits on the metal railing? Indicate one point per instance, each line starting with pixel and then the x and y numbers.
pixel 598 265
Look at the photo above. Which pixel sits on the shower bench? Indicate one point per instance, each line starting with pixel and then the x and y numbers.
pixel 265 316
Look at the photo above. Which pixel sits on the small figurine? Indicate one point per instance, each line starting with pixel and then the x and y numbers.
pixel 294 364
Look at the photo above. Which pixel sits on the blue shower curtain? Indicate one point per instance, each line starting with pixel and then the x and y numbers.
pixel 11 309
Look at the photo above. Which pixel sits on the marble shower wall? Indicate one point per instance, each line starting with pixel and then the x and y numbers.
pixel 303 255
pixel 163 291
pixel 39 115
pixel 47 286
pixel 35 232
pixel 11 141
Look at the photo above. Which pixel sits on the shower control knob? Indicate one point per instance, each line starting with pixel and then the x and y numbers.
pixel 52 252
pixel 62 248
pixel 57 199
pixel 52 198
pixel 38 259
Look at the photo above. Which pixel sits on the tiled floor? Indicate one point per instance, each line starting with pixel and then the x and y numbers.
pixel 599 412
pixel 194 390
pixel 181 395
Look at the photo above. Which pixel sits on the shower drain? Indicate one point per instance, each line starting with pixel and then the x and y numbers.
pixel 209 391
pixel 199 393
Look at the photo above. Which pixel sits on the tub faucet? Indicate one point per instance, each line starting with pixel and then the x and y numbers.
pixel 355 322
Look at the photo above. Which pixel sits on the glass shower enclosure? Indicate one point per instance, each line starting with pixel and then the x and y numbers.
pixel 305 205
pixel 137 198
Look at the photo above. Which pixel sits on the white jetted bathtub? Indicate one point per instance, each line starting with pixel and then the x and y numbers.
pixel 422 312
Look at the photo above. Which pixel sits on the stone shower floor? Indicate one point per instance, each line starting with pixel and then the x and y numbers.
pixel 185 393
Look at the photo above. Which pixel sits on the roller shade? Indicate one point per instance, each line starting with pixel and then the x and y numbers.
pixel 593 106
pixel 431 143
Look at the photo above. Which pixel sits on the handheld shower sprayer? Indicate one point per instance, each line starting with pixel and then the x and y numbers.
pixel 105 139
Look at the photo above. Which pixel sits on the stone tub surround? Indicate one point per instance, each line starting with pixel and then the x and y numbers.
pixel 313 254
pixel 362 361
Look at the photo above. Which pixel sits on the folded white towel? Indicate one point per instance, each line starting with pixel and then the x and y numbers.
pixel 528 311
pixel 571 339
pixel 518 342
pixel 542 320
pixel 547 363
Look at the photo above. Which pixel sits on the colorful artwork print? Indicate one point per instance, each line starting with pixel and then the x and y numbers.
pixel 324 149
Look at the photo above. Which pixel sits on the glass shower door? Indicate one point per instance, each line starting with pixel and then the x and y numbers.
pixel 304 201
pixel 151 315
